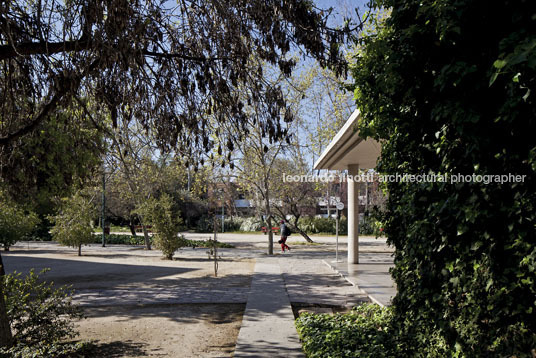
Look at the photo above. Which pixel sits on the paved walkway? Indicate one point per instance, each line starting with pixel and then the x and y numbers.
pixel 371 275
pixel 268 322
pixel 268 328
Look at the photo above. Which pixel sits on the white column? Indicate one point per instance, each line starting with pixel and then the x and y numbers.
pixel 353 216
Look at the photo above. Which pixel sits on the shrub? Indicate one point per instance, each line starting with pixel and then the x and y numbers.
pixel 15 222
pixel 47 350
pixel 40 316
pixel 233 224
pixel 119 239
pixel 371 226
pixel 72 225
pixel 206 243
pixel 165 223
pixel 315 225
pixel 364 332
pixel 205 224
pixel 251 224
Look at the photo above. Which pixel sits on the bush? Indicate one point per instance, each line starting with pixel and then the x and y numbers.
pixel 15 222
pixel 165 223
pixel 47 350
pixel 119 239
pixel 364 332
pixel 205 224
pixel 233 224
pixel 206 243
pixel 40 316
pixel 371 226
pixel 251 224
pixel 72 225
pixel 315 225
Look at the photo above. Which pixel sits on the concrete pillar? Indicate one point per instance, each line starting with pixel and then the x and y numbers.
pixel 353 215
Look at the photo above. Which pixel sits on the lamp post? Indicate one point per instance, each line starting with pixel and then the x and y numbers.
pixel 339 206
pixel 103 218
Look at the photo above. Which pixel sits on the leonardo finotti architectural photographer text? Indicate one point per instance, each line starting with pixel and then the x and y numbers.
pixel 408 178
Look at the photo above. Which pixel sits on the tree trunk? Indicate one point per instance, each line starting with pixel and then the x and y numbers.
pixel 6 247
pixel 80 250
pixel 6 339
pixel 146 237
pixel 270 236
pixel 268 219
pixel 132 227
pixel 301 232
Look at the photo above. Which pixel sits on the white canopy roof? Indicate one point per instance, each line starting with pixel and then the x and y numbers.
pixel 347 148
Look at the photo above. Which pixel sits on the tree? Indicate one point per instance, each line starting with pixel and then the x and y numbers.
pixel 254 162
pixel 61 153
pixel 449 91
pixel 166 224
pixel 165 66
pixel 72 225
pixel 296 197
pixel 141 171
pixel 15 222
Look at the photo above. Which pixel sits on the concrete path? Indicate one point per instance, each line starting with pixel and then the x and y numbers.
pixel 371 275
pixel 309 281
pixel 268 323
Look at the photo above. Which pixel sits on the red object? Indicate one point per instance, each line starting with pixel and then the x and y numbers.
pixel 283 244
pixel 274 229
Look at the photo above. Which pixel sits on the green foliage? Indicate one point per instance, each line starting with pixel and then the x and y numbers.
pixel 251 224
pixel 207 243
pixel 15 222
pixel 72 224
pixel 40 315
pixel 371 226
pixel 118 239
pixel 449 91
pixel 47 350
pixel 364 332
pixel 233 224
pixel 165 222
pixel 205 224
pixel 49 162
pixel 315 225
pixel 115 239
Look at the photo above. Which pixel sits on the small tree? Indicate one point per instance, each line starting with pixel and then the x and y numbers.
pixel 15 222
pixel 165 222
pixel 40 315
pixel 72 224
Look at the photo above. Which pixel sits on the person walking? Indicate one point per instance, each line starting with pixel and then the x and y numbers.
pixel 285 233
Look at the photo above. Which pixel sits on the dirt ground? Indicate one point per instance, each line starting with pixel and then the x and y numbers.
pixel 138 305
pixel 185 330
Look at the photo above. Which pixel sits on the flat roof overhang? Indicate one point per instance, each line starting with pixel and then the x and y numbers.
pixel 348 148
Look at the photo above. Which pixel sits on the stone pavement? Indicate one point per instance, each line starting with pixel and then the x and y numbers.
pixel 268 328
pixel 268 322
pixel 371 275
pixel 308 280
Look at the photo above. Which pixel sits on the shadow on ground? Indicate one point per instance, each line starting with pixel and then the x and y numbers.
pixel 117 349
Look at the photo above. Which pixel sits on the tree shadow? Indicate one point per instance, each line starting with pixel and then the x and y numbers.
pixel 116 349
pixel 222 313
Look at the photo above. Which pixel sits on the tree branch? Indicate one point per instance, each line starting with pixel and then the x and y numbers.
pixel 42 48
pixel 65 85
